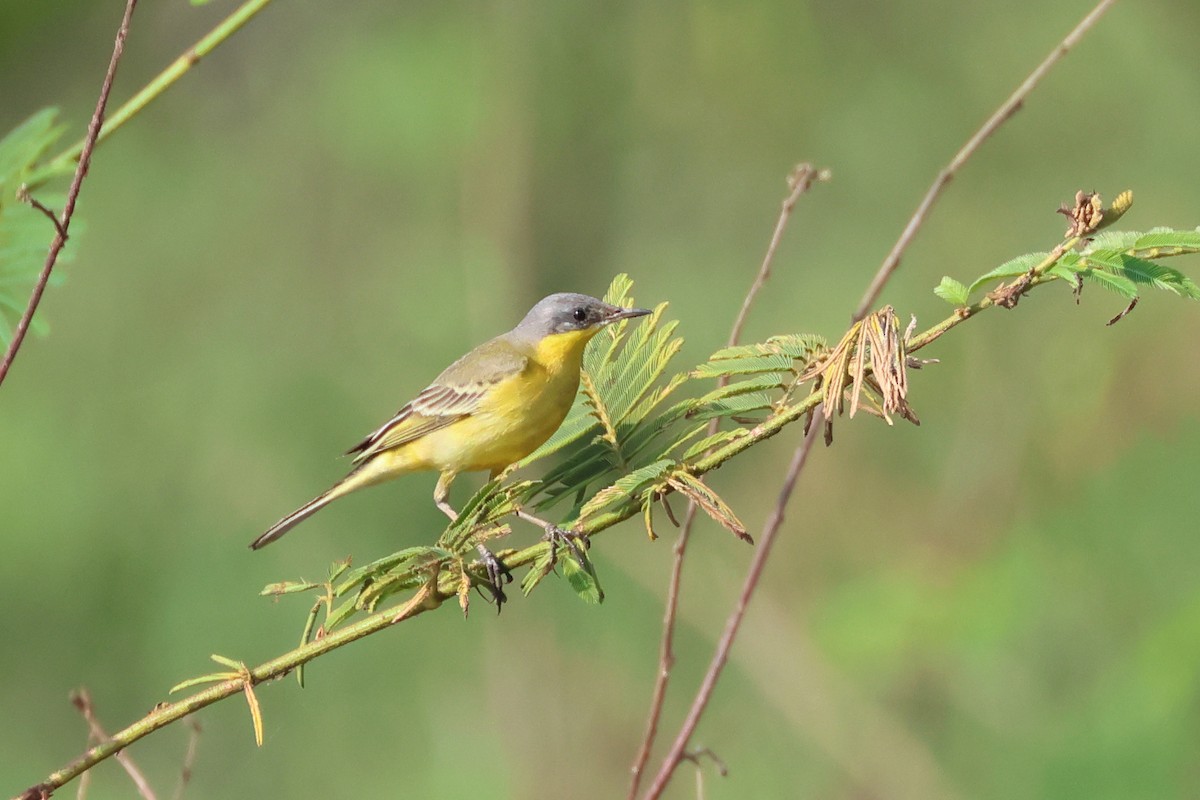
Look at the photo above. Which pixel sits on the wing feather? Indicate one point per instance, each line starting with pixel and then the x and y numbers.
pixel 447 400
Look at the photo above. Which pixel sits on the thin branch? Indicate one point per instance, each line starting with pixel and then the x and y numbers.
pixel 666 651
pixel 85 158
pixel 25 197
pixel 82 700
pixel 1002 114
pixel 189 758
pixel 721 655
pixel 800 180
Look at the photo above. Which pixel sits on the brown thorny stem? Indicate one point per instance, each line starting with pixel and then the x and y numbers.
pixel 431 595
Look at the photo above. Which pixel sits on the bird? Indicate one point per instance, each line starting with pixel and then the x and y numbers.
pixel 486 411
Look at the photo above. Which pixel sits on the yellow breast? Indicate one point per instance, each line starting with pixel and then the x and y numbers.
pixel 517 415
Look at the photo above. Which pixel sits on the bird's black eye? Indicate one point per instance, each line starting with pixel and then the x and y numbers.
pixel 580 314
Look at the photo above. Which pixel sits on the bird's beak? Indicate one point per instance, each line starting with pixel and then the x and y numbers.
pixel 625 313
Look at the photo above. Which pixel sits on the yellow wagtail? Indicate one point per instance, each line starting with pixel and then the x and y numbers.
pixel 489 409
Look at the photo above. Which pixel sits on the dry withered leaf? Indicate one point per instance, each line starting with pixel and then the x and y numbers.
pixel 871 357
pixel 1085 216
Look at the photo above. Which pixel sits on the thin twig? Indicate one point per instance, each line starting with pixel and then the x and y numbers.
pixel 82 700
pixel 85 158
pixel 85 780
pixel 1002 114
pixel 721 655
pixel 799 181
pixel 189 758
pixel 695 757
pixel 666 653
pixel 25 197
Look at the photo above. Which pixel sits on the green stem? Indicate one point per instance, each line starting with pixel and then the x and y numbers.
pixel 1037 276
pixel 426 598
pixel 65 161
pixel 926 338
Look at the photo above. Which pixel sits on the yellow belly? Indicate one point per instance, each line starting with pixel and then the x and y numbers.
pixel 511 427
pixel 517 416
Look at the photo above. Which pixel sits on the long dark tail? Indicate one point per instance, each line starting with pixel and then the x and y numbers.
pixel 296 517
pixel 367 473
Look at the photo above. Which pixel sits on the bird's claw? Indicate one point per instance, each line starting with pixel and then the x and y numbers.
pixel 498 574
pixel 561 537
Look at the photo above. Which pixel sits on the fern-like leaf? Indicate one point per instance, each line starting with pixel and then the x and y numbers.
pixel 630 485
pixel 759 383
pixel 610 430
pixel 738 405
pixel 715 440
pixel 1142 271
pixel 952 291
pixel 730 366
pixel 712 504
pixel 1072 264
pixel 1009 269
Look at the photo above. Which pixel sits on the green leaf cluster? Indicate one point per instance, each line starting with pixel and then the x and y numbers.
pixel 609 430
pixel 754 377
pixel 1121 261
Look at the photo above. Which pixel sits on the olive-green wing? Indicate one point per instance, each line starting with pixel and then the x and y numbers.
pixel 454 395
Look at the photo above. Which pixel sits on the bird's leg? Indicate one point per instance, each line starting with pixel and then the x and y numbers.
pixel 498 574
pixel 441 493
pixel 558 536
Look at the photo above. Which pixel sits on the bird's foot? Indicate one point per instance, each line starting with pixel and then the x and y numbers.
pixel 559 537
pixel 571 540
pixel 498 575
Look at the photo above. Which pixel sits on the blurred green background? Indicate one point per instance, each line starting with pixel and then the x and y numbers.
pixel 343 198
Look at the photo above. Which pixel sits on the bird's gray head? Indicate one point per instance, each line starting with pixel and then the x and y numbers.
pixel 567 312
